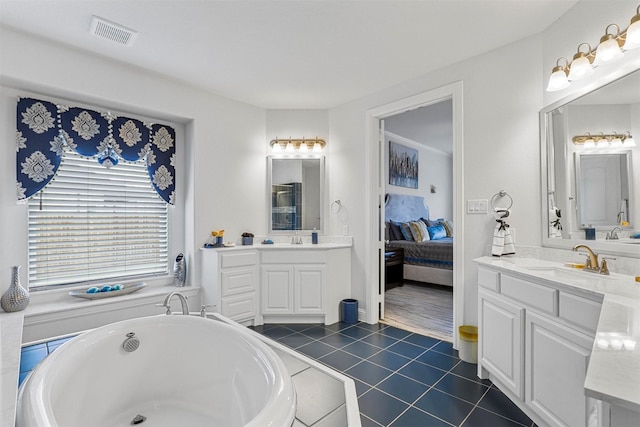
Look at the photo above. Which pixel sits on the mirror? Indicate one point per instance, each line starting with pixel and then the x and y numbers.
pixel 295 194
pixel 589 187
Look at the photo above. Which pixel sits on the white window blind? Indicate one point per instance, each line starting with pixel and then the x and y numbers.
pixel 93 224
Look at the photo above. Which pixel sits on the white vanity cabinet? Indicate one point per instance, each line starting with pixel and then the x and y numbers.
pixel 230 284
pixel 294 286
pixel 535 341
pixel 277 283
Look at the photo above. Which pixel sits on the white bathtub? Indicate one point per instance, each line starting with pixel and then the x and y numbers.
pixel 187 371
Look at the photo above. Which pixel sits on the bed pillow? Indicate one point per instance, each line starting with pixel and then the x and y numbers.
pixel 419 231
pixel 405 228
pixel 429 222
pixel 437 232
pixel 448 226
pixel 395 231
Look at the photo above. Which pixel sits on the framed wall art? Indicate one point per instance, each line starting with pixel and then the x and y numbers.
pixel 403 165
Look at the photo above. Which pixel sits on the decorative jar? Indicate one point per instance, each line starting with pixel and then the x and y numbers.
pixel 16 298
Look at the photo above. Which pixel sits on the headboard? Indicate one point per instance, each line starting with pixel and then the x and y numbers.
pixel 404 208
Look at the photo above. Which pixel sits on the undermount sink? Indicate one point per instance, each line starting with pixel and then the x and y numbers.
pixel 628 241
pixel 556 270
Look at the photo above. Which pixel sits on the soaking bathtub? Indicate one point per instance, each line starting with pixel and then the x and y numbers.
pixel 159 371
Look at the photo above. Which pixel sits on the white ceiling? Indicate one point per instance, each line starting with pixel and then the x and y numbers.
pixel 431 125
pixel 290 53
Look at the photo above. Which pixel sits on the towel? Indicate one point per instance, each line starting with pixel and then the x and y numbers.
pixel 502 239
pixel 555 226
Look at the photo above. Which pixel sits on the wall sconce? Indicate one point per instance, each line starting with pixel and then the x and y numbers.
pixel 610 48
pixel 602 140
pixel 301 146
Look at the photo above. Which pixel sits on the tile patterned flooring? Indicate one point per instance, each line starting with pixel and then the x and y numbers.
pixel 402 379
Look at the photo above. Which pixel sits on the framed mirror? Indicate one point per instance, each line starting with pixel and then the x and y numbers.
pixel 591 176
pixel 295 188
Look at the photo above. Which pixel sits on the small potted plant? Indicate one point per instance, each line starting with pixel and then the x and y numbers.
pixel 247 238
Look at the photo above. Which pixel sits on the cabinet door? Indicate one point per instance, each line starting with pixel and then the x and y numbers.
pixel 556 365
pixel 308 289
pixel 277 289
pixel 500 345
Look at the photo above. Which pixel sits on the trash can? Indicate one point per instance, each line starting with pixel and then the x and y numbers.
pixel 468 351
pixel 349 311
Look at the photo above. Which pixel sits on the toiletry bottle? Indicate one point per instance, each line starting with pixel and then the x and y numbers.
pixel 314 237
pixel 590 233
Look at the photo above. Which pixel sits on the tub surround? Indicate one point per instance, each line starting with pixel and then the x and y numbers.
pixel 605 310
pixel 54 312
pixel 10 339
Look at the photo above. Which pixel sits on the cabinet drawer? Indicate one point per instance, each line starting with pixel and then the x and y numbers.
pixel 580 311
pixel 489 279
pixel 238 280
pixel 239 307
pixel 537 296
pixel 294 256
pixel 238 259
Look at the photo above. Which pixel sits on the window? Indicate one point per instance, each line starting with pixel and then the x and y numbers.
pixel 94 224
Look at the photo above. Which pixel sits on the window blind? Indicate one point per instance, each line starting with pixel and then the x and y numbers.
pixel 94 224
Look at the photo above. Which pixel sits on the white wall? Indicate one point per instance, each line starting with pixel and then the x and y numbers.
pixel 223 149
pixel 501 149
pixel 435 168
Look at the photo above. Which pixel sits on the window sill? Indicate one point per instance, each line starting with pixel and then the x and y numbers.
pixel 54 313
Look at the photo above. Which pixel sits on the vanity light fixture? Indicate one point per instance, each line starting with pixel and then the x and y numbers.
pixel 304 145
pixel 611 47
pixel 613 140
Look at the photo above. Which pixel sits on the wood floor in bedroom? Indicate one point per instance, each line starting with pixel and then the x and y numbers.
pixel 421 308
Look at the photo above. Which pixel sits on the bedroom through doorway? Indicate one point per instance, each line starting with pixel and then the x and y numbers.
pixel 419 209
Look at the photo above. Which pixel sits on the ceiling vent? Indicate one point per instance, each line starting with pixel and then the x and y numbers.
pixel 109 30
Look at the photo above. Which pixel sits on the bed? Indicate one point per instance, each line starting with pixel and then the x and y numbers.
pixel 428 261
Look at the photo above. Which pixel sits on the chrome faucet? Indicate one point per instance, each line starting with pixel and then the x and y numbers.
pixel 592 264
pixel 183 302
pixel 613 235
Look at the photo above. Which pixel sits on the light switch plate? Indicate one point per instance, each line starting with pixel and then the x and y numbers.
pixel 477 206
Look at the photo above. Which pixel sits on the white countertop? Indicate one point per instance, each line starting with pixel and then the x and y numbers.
pixel 613 374
pixel 10 339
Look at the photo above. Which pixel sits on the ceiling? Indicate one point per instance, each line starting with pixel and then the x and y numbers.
pixel 289 53
pixel 430 125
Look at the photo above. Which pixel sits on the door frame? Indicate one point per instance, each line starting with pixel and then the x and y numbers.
pixel 375 196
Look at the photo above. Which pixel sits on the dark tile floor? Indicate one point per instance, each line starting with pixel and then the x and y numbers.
pixel 402 379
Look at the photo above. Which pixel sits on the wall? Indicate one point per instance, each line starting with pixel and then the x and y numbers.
pixel 500 150
pixel 223 149
pixel 434 168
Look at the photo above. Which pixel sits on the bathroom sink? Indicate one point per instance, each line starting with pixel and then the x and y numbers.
pixel 628 241
pixel 581 274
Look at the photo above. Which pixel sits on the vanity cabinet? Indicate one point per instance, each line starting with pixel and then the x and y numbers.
pixel 290 289
pixel 277 284
pixel 230 284
pixel 535 342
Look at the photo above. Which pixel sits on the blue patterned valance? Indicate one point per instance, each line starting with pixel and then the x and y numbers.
pixel 45 130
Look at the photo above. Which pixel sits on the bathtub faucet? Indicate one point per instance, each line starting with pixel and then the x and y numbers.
pixel 183 301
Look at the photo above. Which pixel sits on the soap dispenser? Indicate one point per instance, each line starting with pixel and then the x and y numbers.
pixel 180 271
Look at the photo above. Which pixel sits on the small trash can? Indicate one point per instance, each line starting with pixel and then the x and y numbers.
pixel 468 351
pixel 349 311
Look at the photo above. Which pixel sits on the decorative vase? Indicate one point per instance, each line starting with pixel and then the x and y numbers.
pixel 16 298
pixel 219 241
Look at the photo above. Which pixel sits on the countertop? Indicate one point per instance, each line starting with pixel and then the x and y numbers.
pixel 10 339
pixel 613 374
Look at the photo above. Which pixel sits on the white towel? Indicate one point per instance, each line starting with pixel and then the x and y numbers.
pixel 555 225
pixel 502 239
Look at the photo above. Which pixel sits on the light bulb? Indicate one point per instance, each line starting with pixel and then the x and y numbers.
pixel 589 144
pixel 616 142
pixel 633 32
pixel 289 148
pixel 276 148
pixel 629 142
pixel 580 68
pixel 317 147
pixel 608 50
pixel 303 147
pixel 558 79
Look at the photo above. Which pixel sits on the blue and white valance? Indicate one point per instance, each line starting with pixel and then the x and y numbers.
pixel 45 130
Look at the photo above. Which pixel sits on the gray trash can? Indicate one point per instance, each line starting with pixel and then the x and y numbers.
pixel 349 311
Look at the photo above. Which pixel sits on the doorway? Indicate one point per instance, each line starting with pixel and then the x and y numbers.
pixel 376 184
pixel 418 294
